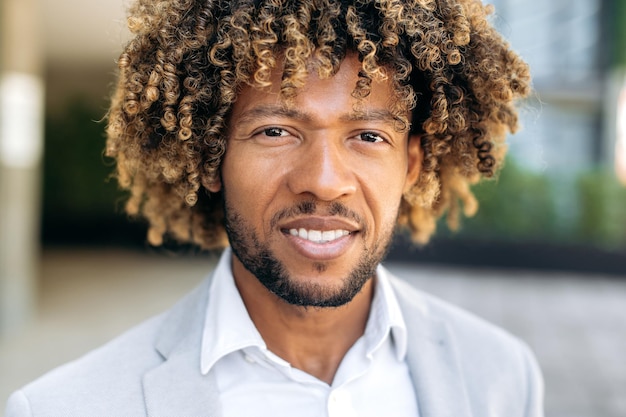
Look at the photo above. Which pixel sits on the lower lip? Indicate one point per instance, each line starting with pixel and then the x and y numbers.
pixel 321 251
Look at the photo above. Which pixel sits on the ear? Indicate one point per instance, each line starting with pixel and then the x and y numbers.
pixel 215 186
pixel 415 159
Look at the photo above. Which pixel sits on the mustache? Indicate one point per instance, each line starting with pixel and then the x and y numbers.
pixel 311 207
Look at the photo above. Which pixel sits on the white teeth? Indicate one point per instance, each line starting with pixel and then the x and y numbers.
pixel 319 236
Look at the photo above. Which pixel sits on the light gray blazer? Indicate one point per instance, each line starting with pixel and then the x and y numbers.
pixel 460 365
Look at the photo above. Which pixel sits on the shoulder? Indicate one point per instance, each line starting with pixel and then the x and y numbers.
pixel 99 380
pixel 467 329
pixel 495 365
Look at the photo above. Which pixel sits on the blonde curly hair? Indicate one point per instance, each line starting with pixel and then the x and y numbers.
pixel 180 74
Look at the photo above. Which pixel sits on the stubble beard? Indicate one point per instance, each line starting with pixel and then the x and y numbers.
pixel 259 259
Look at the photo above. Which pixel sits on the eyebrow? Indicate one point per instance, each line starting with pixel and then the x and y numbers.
pixel 372 115
pixel 272 110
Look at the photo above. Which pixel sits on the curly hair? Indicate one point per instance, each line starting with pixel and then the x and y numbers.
pixel 180 75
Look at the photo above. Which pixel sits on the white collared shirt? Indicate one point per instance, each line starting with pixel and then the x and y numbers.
pixel 372 380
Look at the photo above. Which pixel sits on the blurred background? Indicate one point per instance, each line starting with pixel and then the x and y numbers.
pixel 545 257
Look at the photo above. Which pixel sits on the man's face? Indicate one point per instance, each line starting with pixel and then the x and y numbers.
pixel 311 188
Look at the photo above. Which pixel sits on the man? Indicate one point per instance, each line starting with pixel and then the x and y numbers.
pixel 304 131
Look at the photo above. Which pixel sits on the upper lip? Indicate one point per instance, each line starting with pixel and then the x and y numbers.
pixel 320 223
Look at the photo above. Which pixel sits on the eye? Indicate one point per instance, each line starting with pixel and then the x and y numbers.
pixel 371 137
pixel 275 132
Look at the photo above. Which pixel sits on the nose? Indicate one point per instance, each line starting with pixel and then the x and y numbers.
pixel 323 169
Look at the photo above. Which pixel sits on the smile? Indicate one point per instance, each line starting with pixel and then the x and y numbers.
pixel 319 236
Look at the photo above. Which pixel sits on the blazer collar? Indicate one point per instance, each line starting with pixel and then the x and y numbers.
pixel 432 358
pixel 177 387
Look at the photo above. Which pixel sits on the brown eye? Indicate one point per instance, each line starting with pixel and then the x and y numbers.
pixel 274 132
pixel 371 137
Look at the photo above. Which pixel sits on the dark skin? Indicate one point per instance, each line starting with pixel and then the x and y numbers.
pixel 313 340
pixel 316 149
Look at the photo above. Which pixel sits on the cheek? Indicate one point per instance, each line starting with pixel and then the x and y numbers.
pixel 382 187
pixel 239 170
pixel 249 183
pixel 235 181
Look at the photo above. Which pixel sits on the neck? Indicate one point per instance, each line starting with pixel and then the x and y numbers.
pixel 312 339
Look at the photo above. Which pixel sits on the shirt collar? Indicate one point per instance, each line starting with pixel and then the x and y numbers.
pixel 385 318
pixel 229 328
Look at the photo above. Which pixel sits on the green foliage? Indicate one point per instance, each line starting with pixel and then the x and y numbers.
pixel 602 201
pixel 75 171
pixel 517 205
pixel 619 32
pixel 525 206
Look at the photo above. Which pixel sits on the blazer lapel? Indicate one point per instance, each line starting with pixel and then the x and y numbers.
pixel 431 355
pixel 177 386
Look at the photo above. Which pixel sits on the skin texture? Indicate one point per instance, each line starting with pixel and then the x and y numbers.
pixel 321 161
pixel 254 119
pixel 187 62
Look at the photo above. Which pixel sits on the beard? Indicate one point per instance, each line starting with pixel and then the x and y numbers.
pixel 258 258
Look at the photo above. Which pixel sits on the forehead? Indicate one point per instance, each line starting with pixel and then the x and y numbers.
pixel 334 96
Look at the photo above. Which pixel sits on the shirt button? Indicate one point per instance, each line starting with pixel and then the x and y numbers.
pixel 249 358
